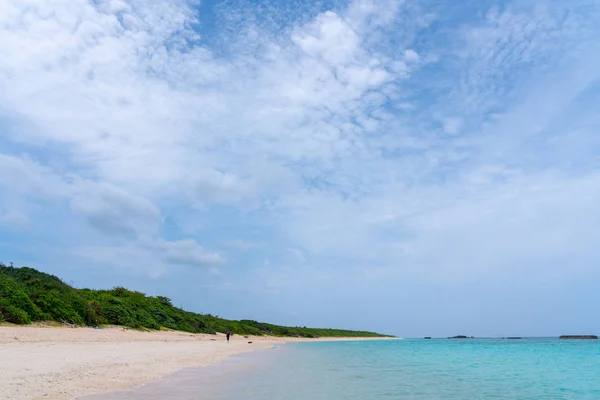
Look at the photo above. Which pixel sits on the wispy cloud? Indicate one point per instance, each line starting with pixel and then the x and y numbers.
pixel 389 139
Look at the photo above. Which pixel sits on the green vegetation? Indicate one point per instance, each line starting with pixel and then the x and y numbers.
pixel 29 295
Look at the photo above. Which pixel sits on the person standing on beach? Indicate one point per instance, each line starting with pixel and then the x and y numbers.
pixel 228 334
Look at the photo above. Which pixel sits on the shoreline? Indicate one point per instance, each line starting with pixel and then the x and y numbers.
pixel 48 362
pixel 194 375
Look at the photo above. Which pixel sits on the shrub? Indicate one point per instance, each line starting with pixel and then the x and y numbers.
pixel 146 320
pixel 27 294
pixel 58 307
pixel 13 314
pixel 93 312
pixel 15 295
pixel 165 301
pixel 120 291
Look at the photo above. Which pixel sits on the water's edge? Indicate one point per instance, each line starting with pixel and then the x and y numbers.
pixel 484 369
pixel 187 375
pixel 228 364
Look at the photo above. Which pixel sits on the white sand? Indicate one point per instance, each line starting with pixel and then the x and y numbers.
pixel 57 363
pixel 61 363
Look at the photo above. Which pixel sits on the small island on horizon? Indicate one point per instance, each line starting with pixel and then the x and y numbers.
pixel 581 337
pixel 27 295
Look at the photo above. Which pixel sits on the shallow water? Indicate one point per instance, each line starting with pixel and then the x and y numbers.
pixel 404 369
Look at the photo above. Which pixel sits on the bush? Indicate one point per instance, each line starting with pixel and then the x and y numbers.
pixel 117 314
pixel 146 320
pixel 165 301
pixel 94 312
pixel 58 307
pixel 27 294
pixel 17 316
pixel 13 314
pixel 12 293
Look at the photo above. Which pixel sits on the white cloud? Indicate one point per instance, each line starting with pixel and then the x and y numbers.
pixel 368 15
pixel 328 38
pixel 528 226
pixel 411 56
pixel 13 217
pixel 322 134
pixel 184 252
pixel 113 210
pixel 218 187
pixel 23 176
pixel 152 256
pixel 452 125
pixel 105 206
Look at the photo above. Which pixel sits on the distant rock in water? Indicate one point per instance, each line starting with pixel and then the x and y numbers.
pixel 579 337
pixel 461 337
pixel 513 338
pixel 427 337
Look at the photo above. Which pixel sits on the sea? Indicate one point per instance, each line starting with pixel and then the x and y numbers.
pixel 436 369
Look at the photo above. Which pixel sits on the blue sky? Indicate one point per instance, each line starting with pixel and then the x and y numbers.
pixel 413 167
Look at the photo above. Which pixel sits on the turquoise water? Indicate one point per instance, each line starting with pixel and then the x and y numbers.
pixel 479 369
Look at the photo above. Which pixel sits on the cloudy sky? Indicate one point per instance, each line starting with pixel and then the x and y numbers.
pixel 418 167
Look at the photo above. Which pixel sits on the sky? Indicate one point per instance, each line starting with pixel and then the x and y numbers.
pixel 417 167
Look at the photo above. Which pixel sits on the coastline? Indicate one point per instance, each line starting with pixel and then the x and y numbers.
pixel 47 362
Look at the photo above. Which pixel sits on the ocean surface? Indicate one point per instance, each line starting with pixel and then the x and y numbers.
pixel 448 369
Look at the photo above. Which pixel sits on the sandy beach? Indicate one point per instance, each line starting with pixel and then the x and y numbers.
pixel 40 362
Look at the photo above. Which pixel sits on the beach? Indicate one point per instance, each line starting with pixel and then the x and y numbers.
pixel 62 363
pixel 42 362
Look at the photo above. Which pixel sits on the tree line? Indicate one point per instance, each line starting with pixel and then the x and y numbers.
pixel 27 295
